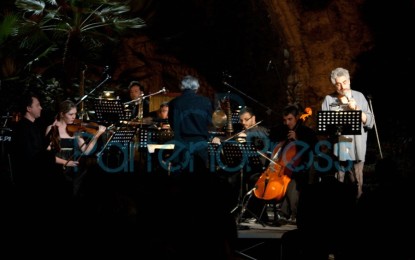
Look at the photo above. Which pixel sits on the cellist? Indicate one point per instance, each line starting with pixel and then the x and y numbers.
pixel 296 142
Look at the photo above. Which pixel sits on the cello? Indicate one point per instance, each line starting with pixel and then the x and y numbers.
pixel 273 182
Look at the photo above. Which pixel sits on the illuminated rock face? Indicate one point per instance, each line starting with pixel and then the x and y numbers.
pixel 276 51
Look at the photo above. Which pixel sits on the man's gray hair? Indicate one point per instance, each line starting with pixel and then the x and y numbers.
pixel 190 82
pixel 338 72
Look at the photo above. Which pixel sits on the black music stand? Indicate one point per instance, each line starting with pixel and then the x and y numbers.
pixel 152 136
pixel 337 123
pixel 109 111
pixel 240 157
pixel 120 139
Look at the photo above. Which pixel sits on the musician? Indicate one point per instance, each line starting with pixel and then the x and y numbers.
pixel 160 117
pixel 136 90
pixel 251 131
pixel 295 143
pixel 29 144
pixel 258 136
pixel 68 147
pixel 37 197
pixel 352 147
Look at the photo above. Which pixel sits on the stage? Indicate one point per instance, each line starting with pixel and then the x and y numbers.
pixel 260 240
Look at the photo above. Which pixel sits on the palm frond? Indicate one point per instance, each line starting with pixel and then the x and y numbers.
pixel 114 10
pixel 8 27
pixel 34 6
pixel 134 23
pixel 52 2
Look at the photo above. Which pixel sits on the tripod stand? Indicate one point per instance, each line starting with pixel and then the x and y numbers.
pixel 241 156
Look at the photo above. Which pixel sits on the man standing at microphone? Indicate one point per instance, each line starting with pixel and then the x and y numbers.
pixel 352 147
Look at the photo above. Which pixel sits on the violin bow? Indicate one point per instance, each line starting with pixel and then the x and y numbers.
pixel 229 138
pixel 266 157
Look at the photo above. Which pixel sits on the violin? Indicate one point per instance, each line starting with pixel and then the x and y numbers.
pixel 79 126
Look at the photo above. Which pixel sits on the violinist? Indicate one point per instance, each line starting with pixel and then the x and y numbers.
pixel 251 131
pixel 296 142
pixel 258 136
pixel 65 142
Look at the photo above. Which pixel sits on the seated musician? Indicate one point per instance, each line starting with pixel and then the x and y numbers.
pixel 139 109
pixel 304 139
pixel 160 116
pixel 257 136
pixel 251 131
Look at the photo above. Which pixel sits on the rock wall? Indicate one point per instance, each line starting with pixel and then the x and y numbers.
pixel 314 37
pixel 319 39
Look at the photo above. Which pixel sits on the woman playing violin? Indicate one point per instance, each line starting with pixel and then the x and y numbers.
pixel 65 143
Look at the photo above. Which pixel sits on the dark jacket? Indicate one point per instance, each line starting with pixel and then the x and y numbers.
pixel 190 116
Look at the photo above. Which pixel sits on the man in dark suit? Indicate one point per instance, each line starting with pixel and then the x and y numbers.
pixel 190 116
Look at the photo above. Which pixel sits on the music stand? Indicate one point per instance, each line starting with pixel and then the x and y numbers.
pixel 150 136
pixel 109 111
pixel 120 139
pixel 237 157
pixel 123 137
pixel 337 123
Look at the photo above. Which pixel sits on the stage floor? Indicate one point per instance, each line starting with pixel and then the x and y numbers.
pixel 254 230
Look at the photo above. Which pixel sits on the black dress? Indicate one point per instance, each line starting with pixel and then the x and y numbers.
pixel 73 175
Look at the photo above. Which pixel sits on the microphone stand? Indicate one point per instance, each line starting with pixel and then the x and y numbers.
pixel 92 91
pixel 269 110
pixel 244 208
pixel 140 104
pixel 163 90
pixel 374 123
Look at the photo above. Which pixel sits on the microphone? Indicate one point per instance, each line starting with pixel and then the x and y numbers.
pixel 348 95
pixel 269 65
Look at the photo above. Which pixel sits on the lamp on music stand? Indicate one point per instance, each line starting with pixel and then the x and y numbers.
pixel 337 123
